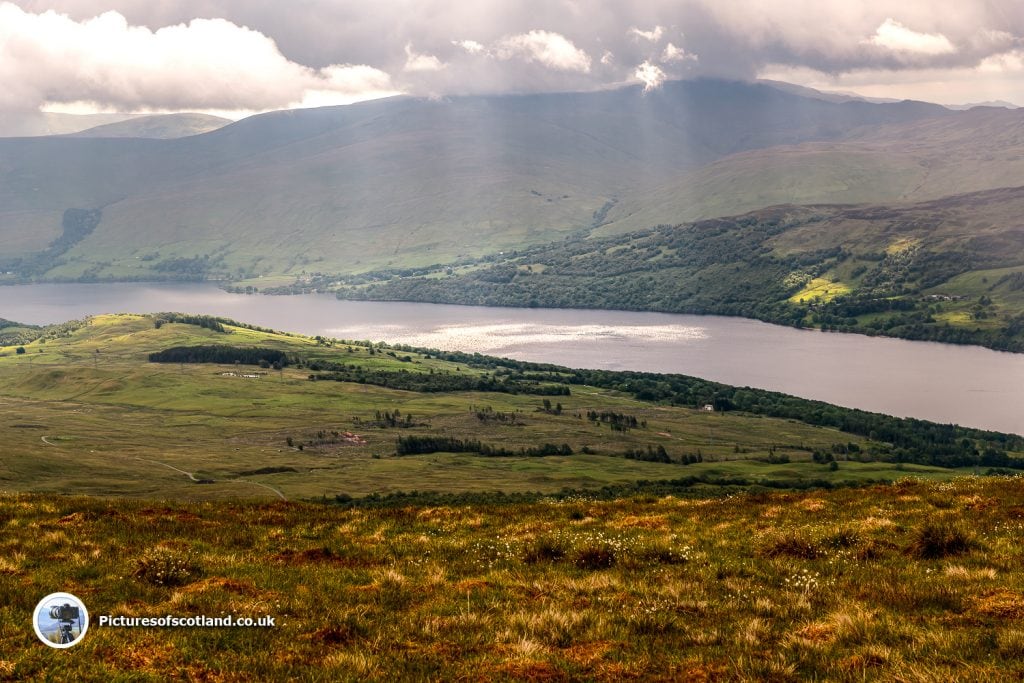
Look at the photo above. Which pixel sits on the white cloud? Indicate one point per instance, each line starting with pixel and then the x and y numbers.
pixel 995 78
pixel 206 64
pixel 347 83
pixel 420 62
pixel 470 46
pixel 650 75
pixel 550 49
pixel 894 36
pixel 677 54
pixel 1011 61
pixel 257 55
pixel 654 35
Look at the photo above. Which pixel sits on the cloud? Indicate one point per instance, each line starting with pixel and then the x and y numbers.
pixel 345 84
pixel 893 35
pixel 204 64
pixel 1011 61
pixel 676 54
pixel 1000 77
pixel 470 46
pixel 545 47
pixel 419 62
pixel 654 35
pixel 493 46
pixel 650 75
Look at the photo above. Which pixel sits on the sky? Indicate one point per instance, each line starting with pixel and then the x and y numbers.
pixel 236 57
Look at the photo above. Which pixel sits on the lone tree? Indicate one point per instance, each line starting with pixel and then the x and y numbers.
pixel 20 350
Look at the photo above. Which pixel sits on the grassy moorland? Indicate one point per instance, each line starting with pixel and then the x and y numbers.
pixel 212 492
pixel 916 581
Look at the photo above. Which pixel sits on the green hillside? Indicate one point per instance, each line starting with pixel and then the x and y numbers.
pixel 949 270
pixel 177 406
pixel 397 182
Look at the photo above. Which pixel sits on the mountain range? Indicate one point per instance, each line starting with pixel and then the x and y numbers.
pixel 406 182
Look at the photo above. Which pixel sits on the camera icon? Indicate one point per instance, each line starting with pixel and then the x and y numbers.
pixel 60 620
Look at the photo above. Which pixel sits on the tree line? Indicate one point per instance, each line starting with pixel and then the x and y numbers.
pixel 422 445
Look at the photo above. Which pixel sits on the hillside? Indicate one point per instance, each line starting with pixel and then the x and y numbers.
pixel 421 495
pixel 158 126
pixel 179 407
pixel 12 333
pixel 391 182
pixel 948 270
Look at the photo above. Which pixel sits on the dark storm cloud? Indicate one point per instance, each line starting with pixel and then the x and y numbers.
pixel 436 48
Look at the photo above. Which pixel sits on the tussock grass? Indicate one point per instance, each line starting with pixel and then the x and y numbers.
pixel 937 539
pixel 844 585
pixel 166 567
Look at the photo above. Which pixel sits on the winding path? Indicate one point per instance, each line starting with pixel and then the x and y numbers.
pixel 226 481
pixel 170 467
pixel 266 486
pixel 193 477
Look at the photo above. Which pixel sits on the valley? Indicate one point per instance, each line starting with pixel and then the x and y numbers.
pixel 535 342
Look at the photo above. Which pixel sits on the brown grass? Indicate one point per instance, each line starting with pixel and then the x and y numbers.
pixel 834 586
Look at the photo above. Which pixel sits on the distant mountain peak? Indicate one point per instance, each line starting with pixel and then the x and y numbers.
pixel 157 126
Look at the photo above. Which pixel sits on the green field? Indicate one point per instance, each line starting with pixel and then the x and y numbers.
pixel 820 289
pixel 136 428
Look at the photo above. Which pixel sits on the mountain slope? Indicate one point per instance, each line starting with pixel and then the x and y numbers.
pixel 391 182
pixel 927 159
pixel 159 126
